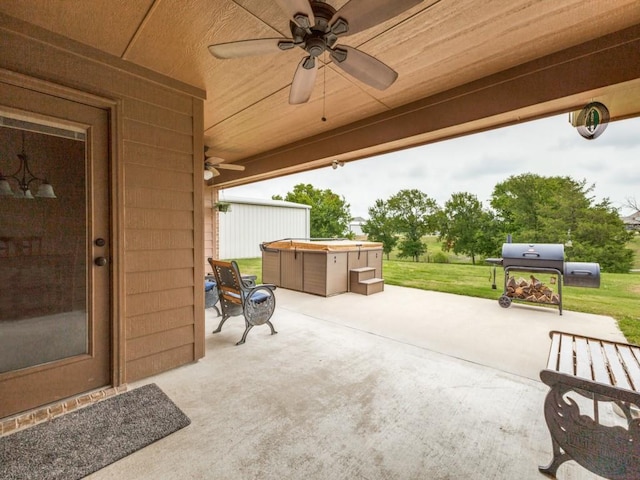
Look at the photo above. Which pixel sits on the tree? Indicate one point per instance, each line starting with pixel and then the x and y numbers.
pixel 330 215
pixel 415 215
pixel 466 228
pixel 632 203
pixel 601 236
pixel 381 226
pixel 538 209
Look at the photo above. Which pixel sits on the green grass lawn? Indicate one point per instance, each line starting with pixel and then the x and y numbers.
pixel 434 248
pixel 617 297
pixel 635 246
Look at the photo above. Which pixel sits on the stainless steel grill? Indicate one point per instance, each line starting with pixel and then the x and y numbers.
pixel 543 258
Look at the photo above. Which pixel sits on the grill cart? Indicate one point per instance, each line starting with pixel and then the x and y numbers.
pixel 541 260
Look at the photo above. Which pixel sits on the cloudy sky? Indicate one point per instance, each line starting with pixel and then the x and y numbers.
pixel 476 163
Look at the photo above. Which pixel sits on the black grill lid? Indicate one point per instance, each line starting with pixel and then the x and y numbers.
pixel 540 251
pixel 534 255
pixel 582 274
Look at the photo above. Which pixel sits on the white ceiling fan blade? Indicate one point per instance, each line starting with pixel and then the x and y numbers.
pixel 247 48
pixel 211 159
pixel 230 166
pixel 303 81
pixel 297 10
pixel 364 67
pixel 211 163
pixel 363 14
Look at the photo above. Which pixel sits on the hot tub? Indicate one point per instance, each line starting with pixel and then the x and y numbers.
pixel 320 267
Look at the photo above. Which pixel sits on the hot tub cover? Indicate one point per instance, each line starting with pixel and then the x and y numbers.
pixel 325 245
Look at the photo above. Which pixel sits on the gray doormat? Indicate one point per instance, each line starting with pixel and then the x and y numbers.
pixel 79 443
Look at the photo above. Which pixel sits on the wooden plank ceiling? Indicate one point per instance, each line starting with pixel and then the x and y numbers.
pixel 434 46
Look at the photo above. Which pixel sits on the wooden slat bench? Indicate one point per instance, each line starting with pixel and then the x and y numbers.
pixel 604 371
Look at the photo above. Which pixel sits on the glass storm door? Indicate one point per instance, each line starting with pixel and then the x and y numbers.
pixel 54 249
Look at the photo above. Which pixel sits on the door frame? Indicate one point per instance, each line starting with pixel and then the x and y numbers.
pixel 116 203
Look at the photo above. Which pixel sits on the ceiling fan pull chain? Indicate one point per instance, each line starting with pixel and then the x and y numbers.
pixel 324 87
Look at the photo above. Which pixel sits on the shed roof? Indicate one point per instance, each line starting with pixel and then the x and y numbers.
pixel 264 202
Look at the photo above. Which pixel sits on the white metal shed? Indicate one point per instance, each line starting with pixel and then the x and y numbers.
pixel 355 226
pixel 252 221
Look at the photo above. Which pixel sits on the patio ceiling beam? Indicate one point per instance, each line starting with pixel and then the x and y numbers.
pixel 559 82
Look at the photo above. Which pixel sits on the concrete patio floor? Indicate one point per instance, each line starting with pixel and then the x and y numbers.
pixel 404 384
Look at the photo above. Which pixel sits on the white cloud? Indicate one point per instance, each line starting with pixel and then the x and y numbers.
pixel 476 163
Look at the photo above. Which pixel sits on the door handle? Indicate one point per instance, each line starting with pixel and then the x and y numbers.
pixel 100 261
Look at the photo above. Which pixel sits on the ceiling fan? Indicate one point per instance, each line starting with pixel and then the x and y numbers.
pixel 212 165
pixel 315 27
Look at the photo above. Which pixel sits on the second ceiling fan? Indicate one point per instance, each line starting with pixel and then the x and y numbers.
pixel 315 27
pixel 213 165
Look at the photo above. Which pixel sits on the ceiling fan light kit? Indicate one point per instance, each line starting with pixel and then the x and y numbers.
pixel 316 27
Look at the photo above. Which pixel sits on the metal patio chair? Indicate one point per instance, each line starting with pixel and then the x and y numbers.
pixel 211 293
pixel 237 297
